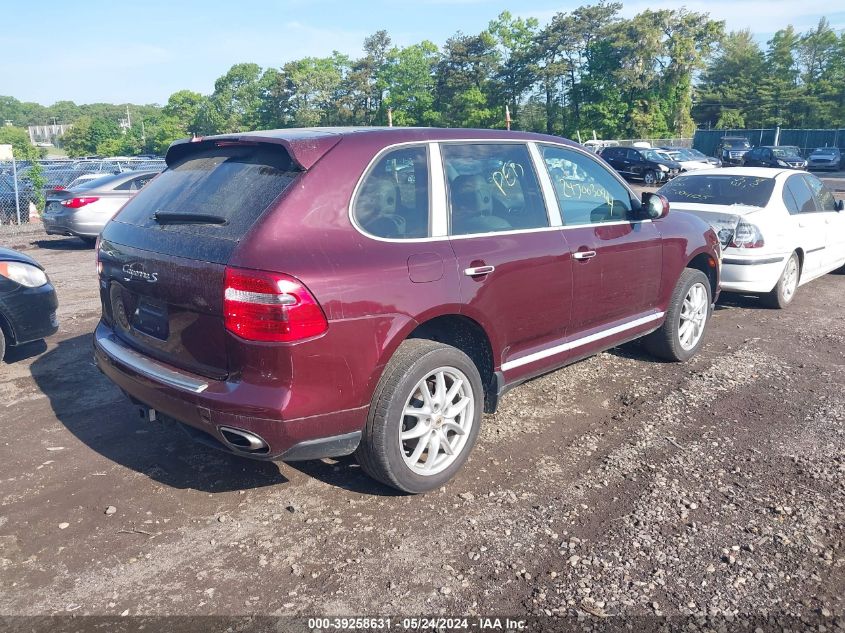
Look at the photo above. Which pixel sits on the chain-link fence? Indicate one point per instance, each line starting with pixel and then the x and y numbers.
pixel 24 185
pixel 659 142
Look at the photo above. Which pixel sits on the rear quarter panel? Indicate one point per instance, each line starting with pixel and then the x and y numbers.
pixel 362 284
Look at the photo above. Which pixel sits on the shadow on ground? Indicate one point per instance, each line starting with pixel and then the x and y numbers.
pixel 101 417
pixel 64 244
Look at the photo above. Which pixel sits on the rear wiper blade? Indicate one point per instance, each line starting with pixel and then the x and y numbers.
pixel 175 217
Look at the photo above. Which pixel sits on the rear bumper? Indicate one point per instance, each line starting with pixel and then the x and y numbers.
pixel 30 313
pixel 206 406
pixel 757 274
pixel 71 225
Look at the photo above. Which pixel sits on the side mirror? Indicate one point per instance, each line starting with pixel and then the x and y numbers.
pixel 655 206
pixel 840 205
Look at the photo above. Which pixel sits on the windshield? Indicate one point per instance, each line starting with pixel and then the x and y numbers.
pixel 650 154
pixel 736 143
pixel 694 153
pixel 720 190
pixel 826 151
pixel 236 183
pixel 785 152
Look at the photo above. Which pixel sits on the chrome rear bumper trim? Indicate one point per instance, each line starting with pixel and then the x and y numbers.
pixel 118 351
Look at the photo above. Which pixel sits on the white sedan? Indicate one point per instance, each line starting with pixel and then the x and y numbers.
pixel 779 228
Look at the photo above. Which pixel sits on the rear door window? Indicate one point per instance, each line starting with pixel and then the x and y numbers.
pixel 233 184
pixel 492 187
pixel 801 193
pixel 393 199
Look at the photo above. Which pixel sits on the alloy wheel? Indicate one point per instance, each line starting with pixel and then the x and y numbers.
pixel 693 316
pixel 790 279
pixel 436 421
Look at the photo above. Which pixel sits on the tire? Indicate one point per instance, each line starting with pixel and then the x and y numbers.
pixel 784 291
pixel 650 177
pixel 89 241
pixel 684 307
pixel 384 455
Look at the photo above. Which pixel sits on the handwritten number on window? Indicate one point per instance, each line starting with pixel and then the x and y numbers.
pixel 507 176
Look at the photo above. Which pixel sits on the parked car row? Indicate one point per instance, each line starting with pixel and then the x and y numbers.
pixel 654 166
pixel 83 210
pixel 59 175
pixel 299 294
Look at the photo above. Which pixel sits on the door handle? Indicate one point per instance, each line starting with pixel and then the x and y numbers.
pixel 479 270
pixel 582 255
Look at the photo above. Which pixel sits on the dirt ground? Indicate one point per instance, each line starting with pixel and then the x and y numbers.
pixel 619 486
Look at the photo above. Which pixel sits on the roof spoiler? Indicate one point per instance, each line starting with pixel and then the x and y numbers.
pixel 304 151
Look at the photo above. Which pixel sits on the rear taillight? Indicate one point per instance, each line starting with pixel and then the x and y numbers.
pixel 75 203
pixel 265 306
pixel 747 235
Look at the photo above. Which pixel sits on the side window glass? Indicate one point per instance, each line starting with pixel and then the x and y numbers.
pixel 789 201
pixel 492 187
pixel 824 199
pixel 802 194
pixel 586 191
pixel 393 199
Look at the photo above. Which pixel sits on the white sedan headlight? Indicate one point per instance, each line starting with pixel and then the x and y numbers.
pixel 23 274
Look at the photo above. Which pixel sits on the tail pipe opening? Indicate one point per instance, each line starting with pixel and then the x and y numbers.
pixel 243 441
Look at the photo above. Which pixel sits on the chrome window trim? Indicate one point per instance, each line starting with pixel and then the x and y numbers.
pixel 546 185
pixel 363 177
pixel 439 206
pixel 580 342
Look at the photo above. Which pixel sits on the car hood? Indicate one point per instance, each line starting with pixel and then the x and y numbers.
pixel 692 165
pixel 8 255
pixel 671 164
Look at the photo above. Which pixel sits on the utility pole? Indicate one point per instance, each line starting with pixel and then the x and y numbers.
pixel 390 117
pixel 507 118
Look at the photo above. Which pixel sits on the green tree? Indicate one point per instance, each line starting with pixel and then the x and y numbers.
pixel 409 76
pixel 516 72
pixel 463 80
pixel 728 90
pixel 235 104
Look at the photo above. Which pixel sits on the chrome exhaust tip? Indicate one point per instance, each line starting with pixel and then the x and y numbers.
pixel 243 441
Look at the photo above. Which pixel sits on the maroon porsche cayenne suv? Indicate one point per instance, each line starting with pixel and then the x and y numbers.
pixel 299 294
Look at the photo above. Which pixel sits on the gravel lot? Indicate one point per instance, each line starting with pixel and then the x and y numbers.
pixel 620 486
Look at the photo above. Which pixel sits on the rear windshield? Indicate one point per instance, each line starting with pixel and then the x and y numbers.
pixel 236 183
pixel 722 190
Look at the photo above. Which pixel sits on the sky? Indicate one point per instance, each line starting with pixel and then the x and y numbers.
pixel 142 52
